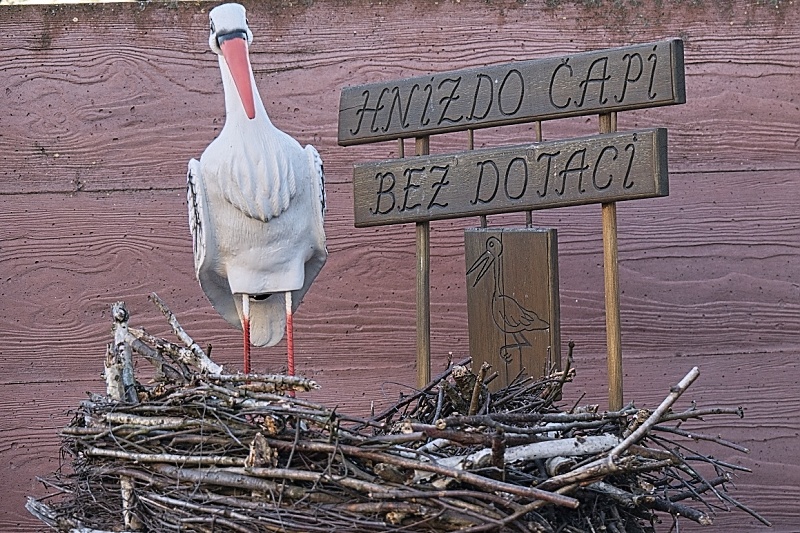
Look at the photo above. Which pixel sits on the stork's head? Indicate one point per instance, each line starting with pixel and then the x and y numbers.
pixel 230 38
pixel 494 249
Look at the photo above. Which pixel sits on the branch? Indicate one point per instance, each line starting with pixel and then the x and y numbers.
pixel 201 360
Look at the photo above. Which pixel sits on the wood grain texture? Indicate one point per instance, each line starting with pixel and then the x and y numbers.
pixel 100 116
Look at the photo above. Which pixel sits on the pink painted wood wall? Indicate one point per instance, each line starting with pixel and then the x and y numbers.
pixel 102 106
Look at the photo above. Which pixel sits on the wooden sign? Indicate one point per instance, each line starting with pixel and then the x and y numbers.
pixel 601 168
pixel 512 300
pixel 616 79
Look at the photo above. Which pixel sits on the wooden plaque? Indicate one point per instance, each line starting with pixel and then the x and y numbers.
pixel 512 300
pixel 616 79
pixel 601 168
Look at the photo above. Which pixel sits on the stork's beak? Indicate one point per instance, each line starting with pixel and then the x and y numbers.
pixel 482 265
pixel 234 50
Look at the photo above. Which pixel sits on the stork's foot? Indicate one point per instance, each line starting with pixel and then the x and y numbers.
pixel 508 352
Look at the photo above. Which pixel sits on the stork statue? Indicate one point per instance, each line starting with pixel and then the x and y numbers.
pixel 256 204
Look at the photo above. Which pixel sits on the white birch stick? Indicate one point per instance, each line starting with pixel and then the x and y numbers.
pixel 201 360
pixel 590 445
pixel 123 352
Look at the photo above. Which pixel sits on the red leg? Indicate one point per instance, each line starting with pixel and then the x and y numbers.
pixel 246 330
pixel 289 333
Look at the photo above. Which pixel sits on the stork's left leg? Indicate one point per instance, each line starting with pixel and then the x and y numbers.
pixel 289 334
pixel 246 330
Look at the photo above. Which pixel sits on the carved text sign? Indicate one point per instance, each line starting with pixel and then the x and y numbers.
pixel 601 168
pixel 617 79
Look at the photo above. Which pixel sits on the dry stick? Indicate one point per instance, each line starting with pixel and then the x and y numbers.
pixel 295 474
pixel 699 436
pixel 498 419
pixel 202 362
pixel 123 349
pixel 400 494
pixel 660 411
pixel 181 504
pixel 675 509
pixel 517 514
pixel 746 509
pixel 652 502
pixel 198 460
pixel 700 413
pixel 266 382
pixel 423 391
pixel 215 522
pixel 234 479
pixel 476 389
pixel 460 475
pixel 423 230
pixel 180 354
pixel 165 370
pixel 564 447
pixel 56 519
pixel 126 393
pixel 695 492
pixel 607 465
pixel 112 373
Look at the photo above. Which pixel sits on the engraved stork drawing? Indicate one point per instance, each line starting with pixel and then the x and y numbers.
pixel 508 314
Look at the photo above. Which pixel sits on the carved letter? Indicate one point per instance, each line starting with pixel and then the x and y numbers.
pixel 521 93
pixel 597 164
pixel 437 185
pixel 387 191
pixel 493 166
pixel 481 78
pixel 629 58
pixel 601 80
pixel 524 177
pixel 654 58
pixel 409 174
pixel 378 109
pixel 549 157
pixel 564 64
pixel 632 147
pixel 400 114
pixel 582 166
pixel 424 121
pixel 364 109
pixel 452 97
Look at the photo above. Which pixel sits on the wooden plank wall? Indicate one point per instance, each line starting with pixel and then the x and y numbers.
pixel 102 106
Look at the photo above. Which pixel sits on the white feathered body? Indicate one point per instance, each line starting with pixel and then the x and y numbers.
pixel 256 208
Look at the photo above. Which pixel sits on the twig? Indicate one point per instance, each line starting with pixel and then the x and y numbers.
pixel 466 477
pixel 201 361
pixel 699 436
pixel 197 460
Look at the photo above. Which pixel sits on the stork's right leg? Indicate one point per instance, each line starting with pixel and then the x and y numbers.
pixel 246 330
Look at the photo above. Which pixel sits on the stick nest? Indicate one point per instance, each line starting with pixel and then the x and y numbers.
pixel 202 450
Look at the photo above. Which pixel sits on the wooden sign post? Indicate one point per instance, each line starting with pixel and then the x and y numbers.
pixel 423 238
pixel 603 169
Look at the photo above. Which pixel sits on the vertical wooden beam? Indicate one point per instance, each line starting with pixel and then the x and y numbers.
pixel 608 124
pixel 471 146
pixel 538 138
pixel 422 147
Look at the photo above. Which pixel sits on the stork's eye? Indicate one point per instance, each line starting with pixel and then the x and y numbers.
pixel 212 27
